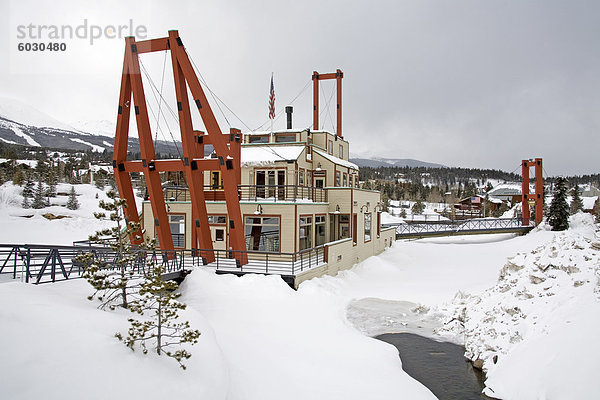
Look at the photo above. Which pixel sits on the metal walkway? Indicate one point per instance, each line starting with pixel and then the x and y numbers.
pixel 464 227
pixel 33 263
pixel 45 263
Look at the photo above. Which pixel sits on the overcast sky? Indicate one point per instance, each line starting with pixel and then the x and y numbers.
pixel 463 83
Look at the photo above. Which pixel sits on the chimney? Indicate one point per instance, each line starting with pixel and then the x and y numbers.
pixel 289 110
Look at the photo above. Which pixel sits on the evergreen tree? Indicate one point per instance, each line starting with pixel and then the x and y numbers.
pixel 403 213
pixel 72 203
pixel 38 197
pixel 418 207
pixel 576 202
pixel 51 183
pixel 558 215
pixel 113 286
pixel 28 192
pixel 160 329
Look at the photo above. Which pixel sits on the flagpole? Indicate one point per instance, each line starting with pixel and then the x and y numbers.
pixel 272 119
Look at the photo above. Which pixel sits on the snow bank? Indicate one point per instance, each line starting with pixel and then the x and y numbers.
pixel 279 343
pixel 57 345
pixel 535 330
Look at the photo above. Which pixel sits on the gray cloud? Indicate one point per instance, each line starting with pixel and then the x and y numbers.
pixel 464 83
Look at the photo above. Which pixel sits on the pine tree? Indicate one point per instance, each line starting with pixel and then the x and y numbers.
pixel 113 286
pixel 27 192
pixel 558 215
pixel 72 203
pixel 576 202
pixel 51 183
pixel 418 207
pixel 38 197
pixel 160 328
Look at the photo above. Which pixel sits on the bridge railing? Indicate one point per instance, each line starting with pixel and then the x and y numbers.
pixel 263 262
pixel 451 227
pixel 44 263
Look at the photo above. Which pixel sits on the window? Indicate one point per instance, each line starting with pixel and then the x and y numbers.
pixel 341 151
pixel 258 139
pixel 367 227
pixel 262 233
pixel 216 180
pixel 351 184
pixel 320 230
pixel 219 235
pixel 337 178
pixel 177 226
pixel 217 219
pixel 345 179
pixel 330 147
pixel 286 138
pixel 309 178
pixel 344 226
pixel 305 233
pixel 301 177
pixel 356 182
pixel 270 184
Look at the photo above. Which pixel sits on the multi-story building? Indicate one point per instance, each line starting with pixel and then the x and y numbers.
pixel 303 211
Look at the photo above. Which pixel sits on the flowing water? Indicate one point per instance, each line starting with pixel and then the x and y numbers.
pixel 440 366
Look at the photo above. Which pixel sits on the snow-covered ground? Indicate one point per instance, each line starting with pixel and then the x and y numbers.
pixel 430 212
pixel 262 340
pixel 28 226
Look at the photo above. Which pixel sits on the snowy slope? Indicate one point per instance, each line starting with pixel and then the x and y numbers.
pixel 18 111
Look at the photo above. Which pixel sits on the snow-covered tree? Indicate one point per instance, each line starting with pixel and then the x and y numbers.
pixel 158 326
pixel 418 207
pixel 38 197
pixel 558 215
pixel 72 203
pixel 114 285
pixel 51 181
pixel 576 202
pixel 28 192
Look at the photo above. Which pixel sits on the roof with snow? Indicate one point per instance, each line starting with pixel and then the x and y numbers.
pixel 268 155
pixel 336 160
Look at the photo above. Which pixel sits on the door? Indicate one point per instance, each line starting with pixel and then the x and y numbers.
pixel 218 237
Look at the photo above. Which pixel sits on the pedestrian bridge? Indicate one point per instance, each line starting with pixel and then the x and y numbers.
pixel 464 227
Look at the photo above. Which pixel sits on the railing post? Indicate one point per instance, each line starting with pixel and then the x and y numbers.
pixel 267 263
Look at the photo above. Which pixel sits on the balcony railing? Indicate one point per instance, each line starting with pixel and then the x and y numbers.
pixel 282 193
pixel 274 193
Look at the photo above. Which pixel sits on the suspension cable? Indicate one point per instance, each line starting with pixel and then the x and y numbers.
pixel 162 81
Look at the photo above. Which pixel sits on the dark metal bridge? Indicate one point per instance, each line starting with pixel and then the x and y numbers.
pixel 464 227
pixel 45 263
pixel 33 263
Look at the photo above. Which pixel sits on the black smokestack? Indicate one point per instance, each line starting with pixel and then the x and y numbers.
pixel 289 110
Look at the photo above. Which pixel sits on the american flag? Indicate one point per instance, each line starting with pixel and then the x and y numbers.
pixel 272 101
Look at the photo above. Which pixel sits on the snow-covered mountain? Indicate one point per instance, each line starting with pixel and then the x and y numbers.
pixel 376 162
pixel 24 125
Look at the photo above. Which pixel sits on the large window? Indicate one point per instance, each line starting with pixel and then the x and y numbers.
pixel 177 226
pixel 305 233
pixel 330 147
pixel 285 138
pixel 320 230
pixel 341 151
pixel 345 180
pixel 258 139
pixel 262 233
pixel 301 177
pixel 367 227
pixel 338 178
